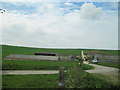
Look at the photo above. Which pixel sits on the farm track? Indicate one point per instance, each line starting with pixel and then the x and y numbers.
pixel 111 73
pixel 97 69
pixel 26 72
pixel 102 69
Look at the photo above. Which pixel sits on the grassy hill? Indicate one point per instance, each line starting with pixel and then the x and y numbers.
pixel 7 50
pixel 36 65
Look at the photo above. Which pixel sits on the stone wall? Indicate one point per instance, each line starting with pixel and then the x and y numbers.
pixel 108 58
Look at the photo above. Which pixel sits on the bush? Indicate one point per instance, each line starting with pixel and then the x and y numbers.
pixel 78 78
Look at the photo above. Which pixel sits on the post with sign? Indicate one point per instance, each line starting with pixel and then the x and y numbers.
pixel 61 77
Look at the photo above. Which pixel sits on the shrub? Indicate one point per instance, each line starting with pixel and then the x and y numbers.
pixel 78 78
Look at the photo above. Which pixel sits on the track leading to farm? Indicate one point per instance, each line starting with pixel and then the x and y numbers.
pixel 109 72
pixel 25 72
pixel 97 69
pixel 102 69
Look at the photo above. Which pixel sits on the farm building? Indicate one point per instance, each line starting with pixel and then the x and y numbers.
pixel 45 54
pixel 31 57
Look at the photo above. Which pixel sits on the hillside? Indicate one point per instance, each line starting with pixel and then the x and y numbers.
pixel 7 50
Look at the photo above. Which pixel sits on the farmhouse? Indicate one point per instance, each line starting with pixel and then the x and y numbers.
pixel 32 57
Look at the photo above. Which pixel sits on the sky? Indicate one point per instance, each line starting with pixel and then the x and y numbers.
pixel 60 24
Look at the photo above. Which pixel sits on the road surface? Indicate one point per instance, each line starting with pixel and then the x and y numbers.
pixel 24 72
pixel 109 73
pixel 102 69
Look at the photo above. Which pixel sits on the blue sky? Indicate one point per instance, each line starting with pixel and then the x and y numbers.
pixel 20 6
pixel 60 24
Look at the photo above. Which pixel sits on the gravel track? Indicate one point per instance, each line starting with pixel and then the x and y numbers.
pixel 25 72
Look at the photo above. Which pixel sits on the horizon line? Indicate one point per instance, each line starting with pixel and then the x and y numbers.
pixel 60 47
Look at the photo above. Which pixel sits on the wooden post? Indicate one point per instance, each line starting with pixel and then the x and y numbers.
pixel 61 77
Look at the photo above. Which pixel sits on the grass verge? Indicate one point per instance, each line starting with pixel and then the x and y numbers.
pixel 73 78
pixel 108 78
pixel 109 65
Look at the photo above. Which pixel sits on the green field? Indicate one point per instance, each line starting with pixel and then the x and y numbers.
pixel 39 65
pixel 7 50
pixel 36 65
pixel 73 78
pixel 30 81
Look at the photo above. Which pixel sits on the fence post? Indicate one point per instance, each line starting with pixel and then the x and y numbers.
pixel 61 77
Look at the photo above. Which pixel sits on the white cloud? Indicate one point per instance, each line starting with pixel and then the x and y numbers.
pixel 69 4
pixel 81 28
pixel 89 11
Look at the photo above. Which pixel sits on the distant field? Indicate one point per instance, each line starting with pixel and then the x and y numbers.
pixel 7 50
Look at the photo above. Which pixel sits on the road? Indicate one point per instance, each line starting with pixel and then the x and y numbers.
pixel 24 72
pixel 102 69
pixel 108 73
pixel 97 69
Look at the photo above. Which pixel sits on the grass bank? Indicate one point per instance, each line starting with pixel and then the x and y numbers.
pixel 39 65
pixel 78 78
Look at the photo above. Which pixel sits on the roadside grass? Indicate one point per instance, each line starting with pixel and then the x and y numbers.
pixel 78 78
pixel 30 81
pixel 108 78
pixel 109 65
pixel 75 77
pixel 39 65
pixel 86 67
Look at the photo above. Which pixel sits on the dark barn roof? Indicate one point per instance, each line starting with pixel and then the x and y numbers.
pixel 45 54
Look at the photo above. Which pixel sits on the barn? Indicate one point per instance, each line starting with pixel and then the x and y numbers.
pixel 45 54
pixel 32 57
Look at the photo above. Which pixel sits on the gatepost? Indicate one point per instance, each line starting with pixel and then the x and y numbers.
pixel 61 77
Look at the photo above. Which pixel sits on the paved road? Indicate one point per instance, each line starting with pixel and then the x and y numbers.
pixel 23 72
